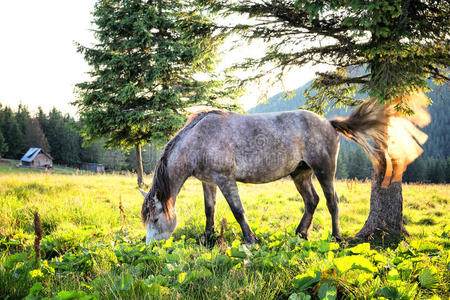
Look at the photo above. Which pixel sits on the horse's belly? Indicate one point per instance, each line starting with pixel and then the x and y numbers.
pixel 259 179
pixel 264 168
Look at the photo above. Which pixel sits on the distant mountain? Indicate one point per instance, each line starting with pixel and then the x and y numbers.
pixel 280 103
pixel 438 130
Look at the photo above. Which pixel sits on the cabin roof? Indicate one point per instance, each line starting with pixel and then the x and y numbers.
pixel 32 153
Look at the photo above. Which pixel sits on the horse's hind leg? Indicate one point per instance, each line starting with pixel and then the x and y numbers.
pixel 209 195
pixel 326 180
pixel 302 177
pixel 230 191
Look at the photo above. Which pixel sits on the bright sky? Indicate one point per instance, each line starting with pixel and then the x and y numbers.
pixel 39 65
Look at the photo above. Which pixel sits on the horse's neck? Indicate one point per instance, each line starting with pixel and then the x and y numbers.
pixel 177 178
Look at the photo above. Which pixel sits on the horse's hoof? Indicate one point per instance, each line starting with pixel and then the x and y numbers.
pixel 251 241
pixel 337 238
pixel 208 240
pixel 303 235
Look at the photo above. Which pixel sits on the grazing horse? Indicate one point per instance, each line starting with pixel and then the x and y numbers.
pixel 220 148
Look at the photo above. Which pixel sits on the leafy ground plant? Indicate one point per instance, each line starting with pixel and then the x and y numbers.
pixel 90 251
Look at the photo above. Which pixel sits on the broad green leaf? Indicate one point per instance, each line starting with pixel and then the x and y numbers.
pixel 68 295
pixel 125 281
pixel 424 246
pixel 354 262
pixel 362 277
pixel 34 291
pixel 294 296
pixel 304 281
pixel 405 268
pixel 429 278
pixel 389 292
pixel 327 292
pixel 197 274
pixel 326 246
pixel 393 275
pixel 299 296
pixel 378 258
pixel 359 249
pixel 241 252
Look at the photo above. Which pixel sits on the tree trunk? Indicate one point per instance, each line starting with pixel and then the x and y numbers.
pixel 386 210
pixel 139 167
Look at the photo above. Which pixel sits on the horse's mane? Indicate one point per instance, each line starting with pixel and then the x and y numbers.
pixel 161 185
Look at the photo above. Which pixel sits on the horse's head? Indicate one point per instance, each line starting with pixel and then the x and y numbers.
pixel 160 222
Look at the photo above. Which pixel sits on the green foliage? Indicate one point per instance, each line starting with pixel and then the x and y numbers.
pixel 327 292
pixel 35 137
pixel 304 281
pixel 399 43
pixel 143 68
pixel 56 134
pixel 12 133
pixel 90 252
pixel 3 145
pixel 429 278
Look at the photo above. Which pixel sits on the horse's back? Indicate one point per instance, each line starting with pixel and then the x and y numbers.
pixel 257 147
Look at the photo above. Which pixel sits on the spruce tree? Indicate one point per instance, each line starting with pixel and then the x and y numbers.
pixel 35 137
pixel 3 145
pixel 23 118
pixel 447 170
pixel 12 133
pixel 416 172
pixel 436 170
pixel 143 69
pixel 342 166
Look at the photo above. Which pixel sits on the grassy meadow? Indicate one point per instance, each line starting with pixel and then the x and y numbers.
pixel 92 245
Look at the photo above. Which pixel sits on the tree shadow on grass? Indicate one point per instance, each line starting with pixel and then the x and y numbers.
pixel 378 239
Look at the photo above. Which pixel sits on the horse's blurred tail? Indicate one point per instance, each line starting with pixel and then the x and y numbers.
pixel 391 139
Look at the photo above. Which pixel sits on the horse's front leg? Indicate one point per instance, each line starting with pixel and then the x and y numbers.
pixel 209 195
pixel 230 191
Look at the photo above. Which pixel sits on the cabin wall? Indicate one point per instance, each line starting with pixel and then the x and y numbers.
pixel 41 160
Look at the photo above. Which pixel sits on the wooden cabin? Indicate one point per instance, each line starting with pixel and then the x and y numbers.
pixel 36 158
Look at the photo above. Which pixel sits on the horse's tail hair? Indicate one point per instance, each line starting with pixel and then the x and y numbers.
pixel 161 183
pixel 390 139
pixel 367 122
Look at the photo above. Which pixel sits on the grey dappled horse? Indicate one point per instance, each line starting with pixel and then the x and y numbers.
pixel 220 148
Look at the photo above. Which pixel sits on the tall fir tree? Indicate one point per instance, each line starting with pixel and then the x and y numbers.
pixel 3 145
pixel 143 71
pixel 342 166
pixel 416 172
pixel 447 170
pixel 35 137
pixel 436 170
pixel 359 166
pixel 23 118
pixel 12 133
pixel 71 145
pixel 93 152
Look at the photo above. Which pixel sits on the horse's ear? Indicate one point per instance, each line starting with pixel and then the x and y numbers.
pixel 144 193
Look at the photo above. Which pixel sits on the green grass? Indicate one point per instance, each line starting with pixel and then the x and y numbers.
pixel 91 249
pixel 12 167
